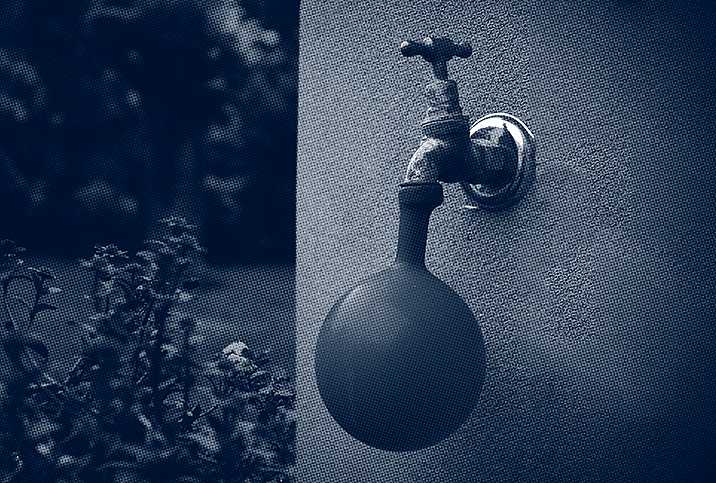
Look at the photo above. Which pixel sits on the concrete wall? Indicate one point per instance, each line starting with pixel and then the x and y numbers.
pixel 594 294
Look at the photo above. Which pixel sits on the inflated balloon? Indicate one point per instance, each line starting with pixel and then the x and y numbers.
pixel 400 359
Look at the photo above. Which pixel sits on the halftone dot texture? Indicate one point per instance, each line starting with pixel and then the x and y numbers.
pixel 594 294
pixel 114 114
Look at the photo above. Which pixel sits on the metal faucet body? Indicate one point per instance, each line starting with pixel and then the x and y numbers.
pixel 447 153
pixel 445 149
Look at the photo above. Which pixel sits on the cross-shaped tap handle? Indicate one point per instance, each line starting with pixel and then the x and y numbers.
pixel 437 51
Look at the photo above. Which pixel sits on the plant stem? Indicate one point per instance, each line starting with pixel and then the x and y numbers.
pixel 160 318
pixel 142 331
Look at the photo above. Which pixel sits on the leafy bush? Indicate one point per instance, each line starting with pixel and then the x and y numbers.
pixel 136 406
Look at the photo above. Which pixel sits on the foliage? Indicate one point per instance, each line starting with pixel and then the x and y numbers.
pixel 113 112
pixel 136 407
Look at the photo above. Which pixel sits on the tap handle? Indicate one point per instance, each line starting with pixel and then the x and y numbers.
pixel 437 51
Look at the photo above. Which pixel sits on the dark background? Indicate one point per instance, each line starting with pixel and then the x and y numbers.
pixel 116 113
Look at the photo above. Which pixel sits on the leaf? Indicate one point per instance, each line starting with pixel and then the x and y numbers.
pixel 285 393
pixel 8 247
pixel 41 307
pixel 191 284
pixel 260 378
pixel 42 273
pixel 168 384
pixel 7 281
pixel 119 465
pixel 16 341
pixel 22 301
pixel 187 479
pixel 206 439
pixel 41 428
pixel 160 245
pixel 16 344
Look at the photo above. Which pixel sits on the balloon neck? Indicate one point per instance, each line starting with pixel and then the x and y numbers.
pixel 417 201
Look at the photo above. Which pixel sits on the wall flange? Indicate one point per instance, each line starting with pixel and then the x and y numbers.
pixel 514 180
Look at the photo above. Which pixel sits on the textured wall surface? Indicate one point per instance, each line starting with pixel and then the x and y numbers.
pixel 594 294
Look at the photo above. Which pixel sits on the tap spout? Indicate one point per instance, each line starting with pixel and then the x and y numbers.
pixel 446 137
pixel 439 158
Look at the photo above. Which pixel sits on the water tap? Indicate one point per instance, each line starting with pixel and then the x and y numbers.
pixel 494 160
pixel 370 366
